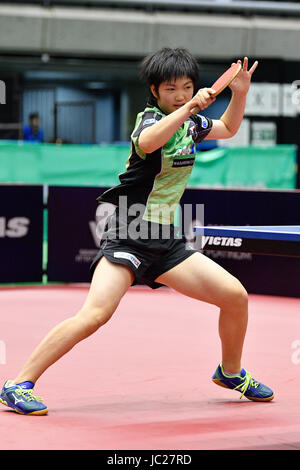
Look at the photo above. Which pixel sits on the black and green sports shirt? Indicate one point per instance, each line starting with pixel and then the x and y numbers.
pixel 157 180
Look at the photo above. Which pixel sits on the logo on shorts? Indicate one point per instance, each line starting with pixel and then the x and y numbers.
pixel 122 254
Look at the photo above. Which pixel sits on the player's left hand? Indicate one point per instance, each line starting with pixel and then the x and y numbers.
pixel 241 84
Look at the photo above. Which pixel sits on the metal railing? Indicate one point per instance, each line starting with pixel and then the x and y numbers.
pixel 290 8
pixel 11 131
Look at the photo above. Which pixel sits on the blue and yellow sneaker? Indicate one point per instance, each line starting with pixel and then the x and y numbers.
pixel 20 398
pixel 244 383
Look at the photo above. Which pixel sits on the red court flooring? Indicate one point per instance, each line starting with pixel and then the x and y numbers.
pixel 143 381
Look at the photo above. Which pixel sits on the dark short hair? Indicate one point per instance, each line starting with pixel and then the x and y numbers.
pixel 33 116
pixel 167 64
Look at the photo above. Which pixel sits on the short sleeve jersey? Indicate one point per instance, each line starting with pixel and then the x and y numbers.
pixel 157 180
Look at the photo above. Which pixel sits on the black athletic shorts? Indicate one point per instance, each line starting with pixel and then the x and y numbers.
pixel 155 251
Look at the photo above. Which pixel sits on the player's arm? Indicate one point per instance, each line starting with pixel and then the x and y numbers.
pixel 158 135
pixel 229 123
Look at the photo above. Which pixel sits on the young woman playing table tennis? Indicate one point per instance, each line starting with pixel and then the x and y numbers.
pixel 157 172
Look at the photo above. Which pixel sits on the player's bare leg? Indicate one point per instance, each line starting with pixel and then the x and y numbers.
pixel 201 278
pixel 110 282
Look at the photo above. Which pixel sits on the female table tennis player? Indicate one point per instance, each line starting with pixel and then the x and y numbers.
pixel 157 172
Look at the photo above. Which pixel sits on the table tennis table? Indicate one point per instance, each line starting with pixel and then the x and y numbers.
pixel 282 240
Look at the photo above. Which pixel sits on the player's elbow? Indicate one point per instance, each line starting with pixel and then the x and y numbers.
pixel 145 148
pixel 146 145
pixel 229 132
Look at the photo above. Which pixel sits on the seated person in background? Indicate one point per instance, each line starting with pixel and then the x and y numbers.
pixel 32 131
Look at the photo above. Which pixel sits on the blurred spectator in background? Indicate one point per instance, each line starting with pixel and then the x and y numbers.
pixel 32 131
pixel 59 141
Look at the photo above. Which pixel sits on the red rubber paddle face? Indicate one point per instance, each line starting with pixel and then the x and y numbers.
pixel 226 78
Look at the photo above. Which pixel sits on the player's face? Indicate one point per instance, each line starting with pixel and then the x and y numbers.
pixel 171 95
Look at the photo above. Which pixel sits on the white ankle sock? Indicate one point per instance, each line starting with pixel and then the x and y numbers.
pixel 231 375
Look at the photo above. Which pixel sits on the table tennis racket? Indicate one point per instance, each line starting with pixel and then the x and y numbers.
pixel 226 78
pixel 223 81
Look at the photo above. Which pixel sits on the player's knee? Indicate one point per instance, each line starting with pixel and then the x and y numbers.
pixel 93 318
pixel 237 298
